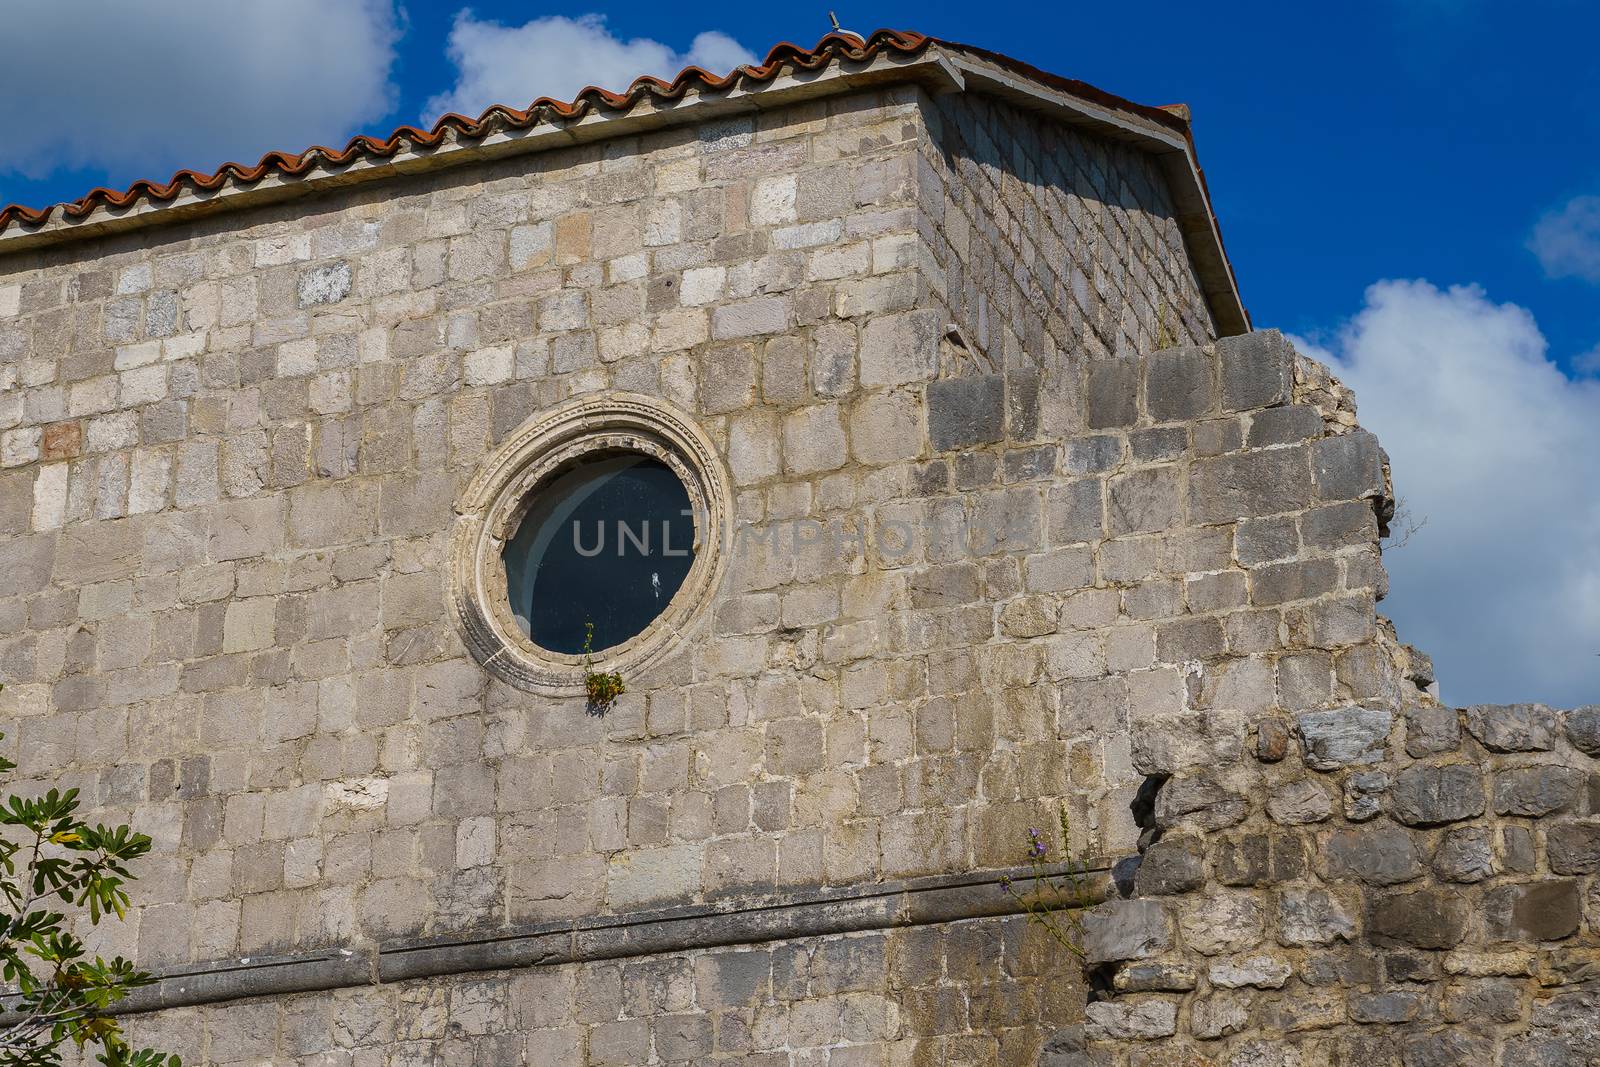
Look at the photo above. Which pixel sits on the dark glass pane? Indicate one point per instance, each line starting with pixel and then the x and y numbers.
pixel 608 541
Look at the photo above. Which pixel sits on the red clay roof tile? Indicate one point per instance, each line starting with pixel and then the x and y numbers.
pixel 833 48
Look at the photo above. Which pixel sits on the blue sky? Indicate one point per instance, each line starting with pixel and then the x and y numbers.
pixel 1381 169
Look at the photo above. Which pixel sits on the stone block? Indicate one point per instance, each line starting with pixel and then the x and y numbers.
pixel 1258 859
pixel 326 284
pixel 963 412
pixel 1299 803
pixel 26 564
pixel 1218 1015
pixel 1483 1000
pixel 885 428
pixel 1517 852
pixel 1284 426
pixel 752 318
pixel 1075 512
pixel 1448 1048
pixel 1171 865
pixel 1426 919
pixel 242 529
pixel 1574 847
pixel 1272 741
pixel 1178 384
pixel 97 552
pixel 1390 1006
pixel 620 1043
pixel 1158 443
pixel 814 440
pixel 1513 727
pixel 324 515
pixel 1533 911
pixel 1432 796
pixel 1464 854
pixel 1065 1048
pixel 1125 930
pixel 1199 800
pixel 1222 921
pixel 1146 501
pixel 1187 640
pixel 1131 1019
pixel 1154 978
pixel 1257 370
pixel 1335 526
pixel 1260 972
pixel 900 349
pixel 728 381
pixel 732 978
pixel 1280 583
pixel 1430 731
pixel 1092 455
pixel 1348 467
pixel 1376 855
pixel 1343 737
pixel 1113 397
pixel 1583 729
pixel 1536 791
pixel 1245 485
pixel 1313 917
pixel 1266 540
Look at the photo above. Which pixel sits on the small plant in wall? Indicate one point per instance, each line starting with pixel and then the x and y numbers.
pixel 1054 900
pixel 602 687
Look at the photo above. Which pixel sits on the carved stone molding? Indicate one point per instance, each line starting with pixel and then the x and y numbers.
pixel 494 502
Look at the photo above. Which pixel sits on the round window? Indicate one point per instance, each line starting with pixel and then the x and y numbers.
pixel 602 550
pixel 589 539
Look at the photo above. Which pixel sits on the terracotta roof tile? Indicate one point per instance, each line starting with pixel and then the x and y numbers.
pixel 831 48
pixel 834 48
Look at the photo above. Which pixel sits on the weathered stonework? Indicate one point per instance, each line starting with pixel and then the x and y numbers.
pixel 1011 528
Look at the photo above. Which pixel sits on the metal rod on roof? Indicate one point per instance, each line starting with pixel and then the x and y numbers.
pixel 841 30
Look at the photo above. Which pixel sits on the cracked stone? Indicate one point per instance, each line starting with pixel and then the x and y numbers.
pixel 1343 737
pixel 1513 727
pixel 1125 930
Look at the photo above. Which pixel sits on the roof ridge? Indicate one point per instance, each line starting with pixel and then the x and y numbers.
pixel 832 47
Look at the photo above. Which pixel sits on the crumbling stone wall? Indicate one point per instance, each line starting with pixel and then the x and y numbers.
pixel 1333 867
pixel 1365 885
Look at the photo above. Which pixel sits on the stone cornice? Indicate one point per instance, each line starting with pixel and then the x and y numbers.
pixel 746 921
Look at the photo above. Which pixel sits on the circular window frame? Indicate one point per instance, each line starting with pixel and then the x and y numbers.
pixel 497 497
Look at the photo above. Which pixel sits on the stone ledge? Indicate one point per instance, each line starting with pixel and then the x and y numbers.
pixel 795 914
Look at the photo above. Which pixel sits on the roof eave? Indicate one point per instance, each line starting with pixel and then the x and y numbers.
pixel 940 67
pixel 930 68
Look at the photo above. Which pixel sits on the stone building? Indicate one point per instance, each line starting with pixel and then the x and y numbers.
pixel 997 507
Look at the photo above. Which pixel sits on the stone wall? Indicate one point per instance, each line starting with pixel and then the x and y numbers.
pixel 991 560
pixel 1365 887
pixel 986 991
pixel 228 454
pixel 1047 248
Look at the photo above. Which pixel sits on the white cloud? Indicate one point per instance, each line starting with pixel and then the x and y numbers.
pixel 161 84
pixel 1497 449
pixel 1567 240
pixel 558 57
